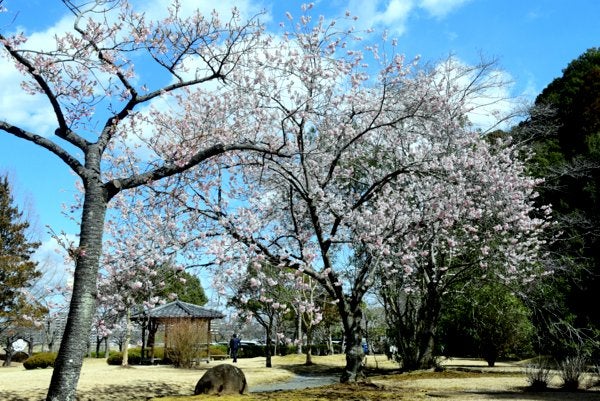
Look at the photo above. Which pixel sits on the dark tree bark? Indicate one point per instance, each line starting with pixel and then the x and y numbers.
pixel 352 322
pixel 67 366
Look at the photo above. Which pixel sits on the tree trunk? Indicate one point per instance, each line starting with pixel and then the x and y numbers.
pixel 309 337
pixel 144 351
pixel 354 357
pixel 299 332
pixel 98 343
pixel 106 348
pixel 268 363
pixel 9 351
pixel 353 348
pixel 69 361
pixel 414 324
pixel 125 360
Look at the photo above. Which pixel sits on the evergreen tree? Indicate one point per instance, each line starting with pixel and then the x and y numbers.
pixel 566 147
pixel 17 270
pixel 186 285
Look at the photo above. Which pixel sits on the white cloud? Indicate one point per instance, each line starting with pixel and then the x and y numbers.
pixel 489 101
pixel 21 109
pixel 31 112
pixel 394 14
pixel 441 8
pixel 376 14
pixel 395 11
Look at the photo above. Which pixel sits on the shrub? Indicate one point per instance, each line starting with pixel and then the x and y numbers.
pixel 185 344
pixel 214 350
pixel 40 361
pixel 20 356
pixel 134 357
pixel 571 371
pixel 538 375
pixel 251 351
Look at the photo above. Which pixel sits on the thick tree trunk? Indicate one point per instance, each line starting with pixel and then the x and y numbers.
pixel 353 348
pixel 269 343
pixel 414 324
pixel 354 357
pixel 67 367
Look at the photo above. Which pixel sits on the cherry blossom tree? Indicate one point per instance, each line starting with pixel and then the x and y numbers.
pixel 371 158
pixel 100 101
pixel 474 221
pixel 264 303
pixel 135 266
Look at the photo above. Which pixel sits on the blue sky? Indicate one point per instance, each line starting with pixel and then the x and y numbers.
pixel 532 39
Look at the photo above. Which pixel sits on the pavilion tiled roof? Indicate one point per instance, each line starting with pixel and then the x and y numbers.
pixel 178 309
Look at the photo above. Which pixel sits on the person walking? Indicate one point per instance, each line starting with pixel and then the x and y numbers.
pixel 234 346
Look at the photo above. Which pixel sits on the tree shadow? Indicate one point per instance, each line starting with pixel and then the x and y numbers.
pixel 525 394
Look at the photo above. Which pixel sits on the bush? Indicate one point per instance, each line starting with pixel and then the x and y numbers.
pixel 571 371
pixel 251 351
pixel 538 375
pixel 20 356
pixel 134 357
pixel 40 361
pixel 185 344
pixel 214 350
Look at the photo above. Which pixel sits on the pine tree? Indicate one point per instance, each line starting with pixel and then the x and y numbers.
pixel 17 271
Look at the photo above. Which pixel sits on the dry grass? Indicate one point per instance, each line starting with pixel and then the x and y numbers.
pixel 465 380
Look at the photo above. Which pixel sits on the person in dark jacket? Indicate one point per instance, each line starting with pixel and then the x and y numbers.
pixel 234 346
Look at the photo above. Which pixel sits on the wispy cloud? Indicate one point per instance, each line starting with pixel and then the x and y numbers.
pixel 394 14
pixel 32 112
pixel 441 8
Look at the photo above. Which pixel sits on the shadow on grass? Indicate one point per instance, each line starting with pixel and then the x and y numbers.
pixel 523 393
pixel 142 391
pixel 138 391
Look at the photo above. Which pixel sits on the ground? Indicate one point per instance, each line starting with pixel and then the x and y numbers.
pixel 467 380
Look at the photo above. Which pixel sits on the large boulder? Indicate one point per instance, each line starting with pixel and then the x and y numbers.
pixel 222 379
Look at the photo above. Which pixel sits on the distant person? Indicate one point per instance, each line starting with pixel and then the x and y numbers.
pixel 234 346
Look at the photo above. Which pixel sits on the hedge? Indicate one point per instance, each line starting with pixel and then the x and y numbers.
pixel 40 361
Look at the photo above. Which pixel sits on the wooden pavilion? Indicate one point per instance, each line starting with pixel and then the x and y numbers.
pixel 176 313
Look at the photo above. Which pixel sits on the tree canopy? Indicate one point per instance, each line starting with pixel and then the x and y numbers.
pixel 18 271
pixel 566 141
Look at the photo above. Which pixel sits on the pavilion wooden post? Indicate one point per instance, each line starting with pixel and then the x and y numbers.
pixel 208 341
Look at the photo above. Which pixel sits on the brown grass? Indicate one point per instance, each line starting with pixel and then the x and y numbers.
pixel 467 380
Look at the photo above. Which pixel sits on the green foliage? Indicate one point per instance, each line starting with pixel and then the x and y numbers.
pixel 187 286
pixel 40 361
pixel 251 351
pixel 215 350
pixel 134 357
pixel 567 156
pixel 487 320
pixel 17 270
